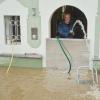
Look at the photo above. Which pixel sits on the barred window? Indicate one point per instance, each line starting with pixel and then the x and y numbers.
pixel 12 29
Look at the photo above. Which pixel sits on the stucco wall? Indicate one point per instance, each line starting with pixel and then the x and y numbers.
pixel 28 45
pixel 88 7
pixel 45 9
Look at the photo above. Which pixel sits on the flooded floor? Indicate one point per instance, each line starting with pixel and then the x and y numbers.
pixel 41 84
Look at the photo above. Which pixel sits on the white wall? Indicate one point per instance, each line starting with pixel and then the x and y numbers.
pixel 47 7
pixel 13 7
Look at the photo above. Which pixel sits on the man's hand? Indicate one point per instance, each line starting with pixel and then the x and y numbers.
pixel 71 32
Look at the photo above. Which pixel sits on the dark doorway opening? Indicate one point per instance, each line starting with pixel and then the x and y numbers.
pixel 76 14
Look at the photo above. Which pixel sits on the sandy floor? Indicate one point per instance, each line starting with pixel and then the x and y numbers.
pixel 31 84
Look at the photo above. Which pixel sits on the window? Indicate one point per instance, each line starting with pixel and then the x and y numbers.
pixel 12 29
pixel 34 32
pixel 77 24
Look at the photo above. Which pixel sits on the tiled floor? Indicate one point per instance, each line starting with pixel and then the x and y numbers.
pixel 41 84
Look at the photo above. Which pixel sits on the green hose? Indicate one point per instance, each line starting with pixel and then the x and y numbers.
pixel 68 53
pixel 62 48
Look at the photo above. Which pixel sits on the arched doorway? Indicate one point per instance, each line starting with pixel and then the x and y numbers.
pixel 76 14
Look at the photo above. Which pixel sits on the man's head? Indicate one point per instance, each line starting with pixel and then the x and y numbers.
pixel 67 18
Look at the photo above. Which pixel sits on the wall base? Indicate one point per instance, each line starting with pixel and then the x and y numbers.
pixel 21 62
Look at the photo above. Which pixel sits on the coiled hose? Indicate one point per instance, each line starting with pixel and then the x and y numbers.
pixel 63 50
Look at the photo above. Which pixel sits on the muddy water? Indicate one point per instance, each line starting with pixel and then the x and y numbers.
pixel 40 84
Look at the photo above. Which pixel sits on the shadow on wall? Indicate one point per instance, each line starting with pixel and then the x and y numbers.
pixel 76 15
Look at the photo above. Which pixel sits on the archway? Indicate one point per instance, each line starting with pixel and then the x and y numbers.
pixel 76 14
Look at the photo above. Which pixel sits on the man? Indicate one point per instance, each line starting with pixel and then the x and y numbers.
pixel 64 28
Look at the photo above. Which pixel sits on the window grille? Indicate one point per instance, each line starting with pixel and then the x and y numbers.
pixel 12 29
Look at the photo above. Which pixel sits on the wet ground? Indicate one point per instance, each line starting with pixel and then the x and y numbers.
pixel 41 84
